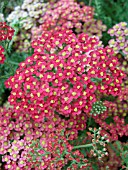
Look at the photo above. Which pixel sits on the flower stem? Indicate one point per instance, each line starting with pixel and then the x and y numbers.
pixel 13 62
pixel 83 146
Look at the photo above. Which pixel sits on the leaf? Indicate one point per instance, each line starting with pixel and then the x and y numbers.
pixel 95 167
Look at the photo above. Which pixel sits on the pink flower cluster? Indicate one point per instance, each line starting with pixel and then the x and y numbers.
pixel 52 135
pixel 60 75
pixel 92 27
pixel 67 14
pixel 2 57
pixel 120 42
pixel 6 32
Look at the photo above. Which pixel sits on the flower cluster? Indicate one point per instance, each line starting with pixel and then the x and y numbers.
pixel 120 42
pixel 92 27
pixel 67 14
pixel 2 57
pixel 119 106
pixel 63 75
pixel 113 130
pixel 70 15
pixel 36 32
pixel 22 41
pixel 28 16
pixel 67 100
pixel 6 32
pixel 21 139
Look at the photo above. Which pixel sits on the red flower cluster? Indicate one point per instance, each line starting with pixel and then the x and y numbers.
pixel 119 106
pixel 2 57
pixel 61 76
pixel 6 32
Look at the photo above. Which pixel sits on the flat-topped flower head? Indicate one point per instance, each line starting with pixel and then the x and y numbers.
pixel 63 75
pixel 120 40
pixel 28 15
pixel 66 14
pixel 6 32
pixel 50 137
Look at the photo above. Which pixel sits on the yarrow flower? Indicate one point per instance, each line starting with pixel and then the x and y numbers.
pixel 63 75
pixel 67 14
pixel 28 16
pixel 6 32
pixel 119 106
pixel 120 41
pixel 92 27
pixel 28 13
pixel 20 138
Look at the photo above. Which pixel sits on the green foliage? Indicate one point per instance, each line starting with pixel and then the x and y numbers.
pixel 109 98
pixel 121 151
pixel 10 65
pixel 13 58
pixel 95 167
pixel 109 120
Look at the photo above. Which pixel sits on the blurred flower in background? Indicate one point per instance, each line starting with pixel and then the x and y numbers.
pixel 28 15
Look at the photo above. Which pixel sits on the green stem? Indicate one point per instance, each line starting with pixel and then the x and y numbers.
pixel 13 62
pixel 83 146
pixel 6 76
pixel 10 66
